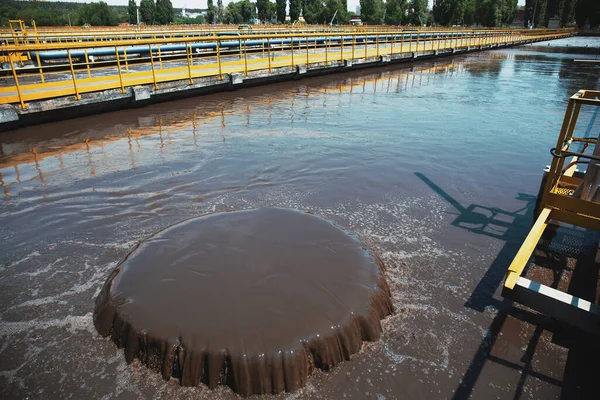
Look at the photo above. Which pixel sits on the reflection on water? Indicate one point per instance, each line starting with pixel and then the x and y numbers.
pixel 135 137
pixel 435 165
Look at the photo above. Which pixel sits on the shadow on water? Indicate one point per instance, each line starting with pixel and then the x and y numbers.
pixel 563 250
pixel 510 226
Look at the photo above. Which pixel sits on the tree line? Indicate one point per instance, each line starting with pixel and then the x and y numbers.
pixel 475 12
pixel 583 12
pixel 501 12
pixel 62 13
pixel 151 12
pixel 391 12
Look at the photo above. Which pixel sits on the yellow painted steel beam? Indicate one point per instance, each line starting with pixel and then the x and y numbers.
pixel 524 254
pixel 573 204
pixel 576 219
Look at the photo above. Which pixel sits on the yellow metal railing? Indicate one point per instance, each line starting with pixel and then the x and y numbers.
pixel 566 197
pixel 558 199
pixel 126 65
pixel 47 35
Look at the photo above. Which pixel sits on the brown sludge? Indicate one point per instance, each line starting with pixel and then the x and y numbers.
pixel 251 299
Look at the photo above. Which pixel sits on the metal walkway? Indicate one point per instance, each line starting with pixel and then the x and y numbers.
pixel 71 69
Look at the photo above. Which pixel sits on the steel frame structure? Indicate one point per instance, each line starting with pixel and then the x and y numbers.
pixel 558 202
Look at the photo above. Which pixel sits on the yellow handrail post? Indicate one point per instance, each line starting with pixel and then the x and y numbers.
pixel 37 56
pixel 188 54
pixel 152 64
pixel 417 49
pixel 159 57
pixel 401 43
pixel 126 63
pixel 87 63
pixel 353 45
pixel 269 52
pixel 245 59
pixel 292 47
pixel 77 96
pixel 307 61
pixel 14 72
pixel 219 61
pixel 377 43
pixel 119 69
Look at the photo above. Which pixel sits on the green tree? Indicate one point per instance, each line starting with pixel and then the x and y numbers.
pixel 233 13
pixel 96 14
pixel 417 14
pixel 132 12
pixel 220 12
pixel 537 7
pixel 442 12
pixel 239 12
pixel 42 17
pixel 394 12
pixel 587 12
pixel 262 7
pixel 312 11
pixel 509 8
pixel 248 10
pixel 371 11
pixel 469 14
pixel 295 9
pixel 333 12
pixel 147 11
pixel 281 4
pixel 568 14
pixel 164 12
pixel 488 13
pixel 210 12
pixel 272 13
pixel 51 13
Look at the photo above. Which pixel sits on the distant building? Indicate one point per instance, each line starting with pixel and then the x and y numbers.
pixel 184 13
pixel 355 20
pixel 554 23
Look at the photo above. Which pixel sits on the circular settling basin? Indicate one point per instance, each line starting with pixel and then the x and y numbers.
pixel 250 299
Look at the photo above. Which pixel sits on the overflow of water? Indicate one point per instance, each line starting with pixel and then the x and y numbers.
pixel 434 164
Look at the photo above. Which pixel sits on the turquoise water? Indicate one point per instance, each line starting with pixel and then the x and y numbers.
pixel 434 164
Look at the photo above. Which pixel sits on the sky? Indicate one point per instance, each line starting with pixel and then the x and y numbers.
pixel 202 3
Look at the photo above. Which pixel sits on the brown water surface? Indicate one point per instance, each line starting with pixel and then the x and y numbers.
pixel 435 165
